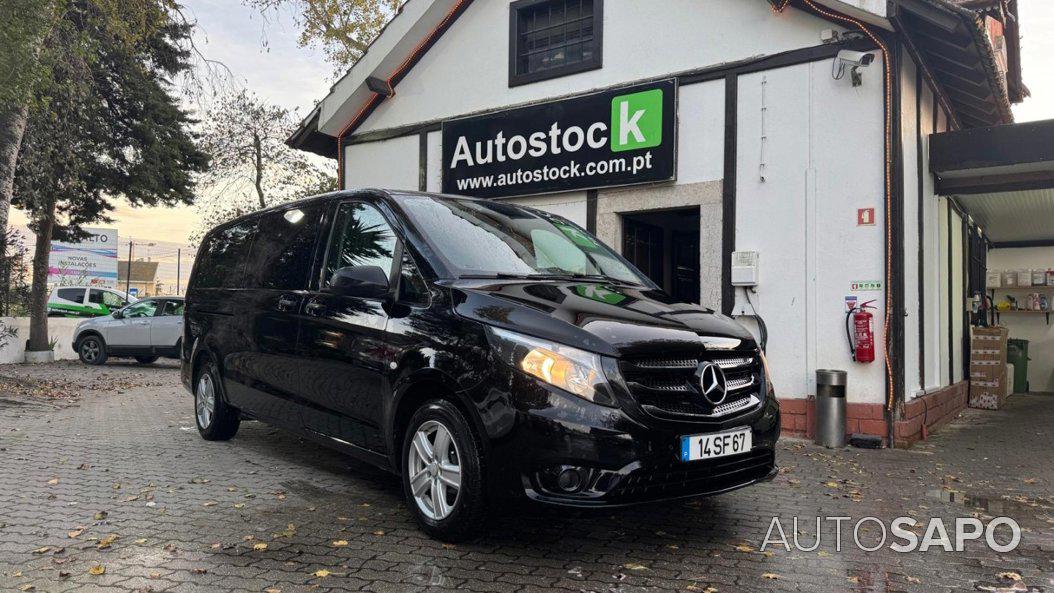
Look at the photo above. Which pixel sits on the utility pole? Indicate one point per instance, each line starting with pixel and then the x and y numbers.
pixel 179 260
pixel 128 275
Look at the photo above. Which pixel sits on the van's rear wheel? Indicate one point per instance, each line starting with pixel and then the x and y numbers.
pixel 216 420
pixel 443 472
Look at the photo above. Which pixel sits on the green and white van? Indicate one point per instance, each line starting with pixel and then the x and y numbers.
pixel 86 301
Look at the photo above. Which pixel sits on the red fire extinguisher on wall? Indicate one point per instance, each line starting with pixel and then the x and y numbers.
pixel 860 331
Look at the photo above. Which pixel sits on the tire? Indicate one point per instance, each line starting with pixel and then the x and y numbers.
pixel 463 519
pixel 216 420
pixel 92 350
pixel 146 359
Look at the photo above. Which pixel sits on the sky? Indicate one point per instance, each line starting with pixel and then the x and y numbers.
pixel 264 57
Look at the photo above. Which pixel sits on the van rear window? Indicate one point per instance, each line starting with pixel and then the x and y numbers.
pixel 221 262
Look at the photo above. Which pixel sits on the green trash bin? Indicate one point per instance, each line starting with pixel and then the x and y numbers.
pixel 1017 355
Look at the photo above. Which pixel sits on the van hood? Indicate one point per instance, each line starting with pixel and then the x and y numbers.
pixel 609 319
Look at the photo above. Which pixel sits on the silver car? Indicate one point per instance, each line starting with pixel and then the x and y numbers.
pixel 146 331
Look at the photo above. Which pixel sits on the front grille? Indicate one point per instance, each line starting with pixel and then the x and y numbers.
pixel 678 478
pixel 667 387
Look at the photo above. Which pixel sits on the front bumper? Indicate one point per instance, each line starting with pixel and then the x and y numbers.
pixel 619 458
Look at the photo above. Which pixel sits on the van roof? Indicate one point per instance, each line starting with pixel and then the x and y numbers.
pixel 391 194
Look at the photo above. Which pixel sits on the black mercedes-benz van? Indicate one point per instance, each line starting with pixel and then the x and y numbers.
pixel 479 349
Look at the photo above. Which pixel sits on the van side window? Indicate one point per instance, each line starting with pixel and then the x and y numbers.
pixel 223 256
pixel 361 237
pixel 412 287
pixel 104 297
pixel 282 252
pixel 72 294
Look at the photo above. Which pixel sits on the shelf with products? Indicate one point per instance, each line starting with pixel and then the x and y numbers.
pixel 1040 290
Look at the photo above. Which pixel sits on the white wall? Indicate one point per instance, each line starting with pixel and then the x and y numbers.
pixel 388 164
pixel 799 188
pixel 1029 327
pixel 468 68
pixel 909 137
pixel 60 329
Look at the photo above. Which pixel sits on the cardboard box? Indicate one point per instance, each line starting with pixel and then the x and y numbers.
pixel 988 344
pixel 989 393
pixel 994 279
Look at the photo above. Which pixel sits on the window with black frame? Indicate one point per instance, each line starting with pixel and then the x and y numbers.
pixel 553 38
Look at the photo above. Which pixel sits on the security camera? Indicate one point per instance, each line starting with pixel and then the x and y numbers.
pixel 854 60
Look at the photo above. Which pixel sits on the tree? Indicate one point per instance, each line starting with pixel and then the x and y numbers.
pixel 252 167
pixel 104 126
pixel 23 27
pixel 342 28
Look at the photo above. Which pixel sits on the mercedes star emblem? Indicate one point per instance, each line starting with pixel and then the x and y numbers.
pixel 712 382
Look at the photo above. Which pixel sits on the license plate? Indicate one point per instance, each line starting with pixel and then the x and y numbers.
pixel 720 444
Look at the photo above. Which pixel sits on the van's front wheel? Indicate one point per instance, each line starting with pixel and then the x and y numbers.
pixel 443 472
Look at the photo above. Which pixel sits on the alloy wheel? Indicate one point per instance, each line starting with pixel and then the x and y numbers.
pixel 434 467
pixel 90 350
pixel 205 402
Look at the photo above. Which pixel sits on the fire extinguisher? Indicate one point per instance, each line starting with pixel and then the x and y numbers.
pixel 860 331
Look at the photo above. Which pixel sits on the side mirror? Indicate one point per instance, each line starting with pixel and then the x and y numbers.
pixel 118 314
pixel 368 282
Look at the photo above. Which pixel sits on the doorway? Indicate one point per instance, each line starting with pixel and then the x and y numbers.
pixel 664 246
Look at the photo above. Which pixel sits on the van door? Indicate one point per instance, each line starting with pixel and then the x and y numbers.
pixel 343 344
pixel 278 269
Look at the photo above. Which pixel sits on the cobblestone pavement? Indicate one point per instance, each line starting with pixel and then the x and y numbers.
pixel 111 477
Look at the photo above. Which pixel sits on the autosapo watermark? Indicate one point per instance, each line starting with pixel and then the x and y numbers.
pixel 1001 534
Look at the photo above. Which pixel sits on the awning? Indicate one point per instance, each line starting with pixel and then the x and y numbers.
pixel 1003 176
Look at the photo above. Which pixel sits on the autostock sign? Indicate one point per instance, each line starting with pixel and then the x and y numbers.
pixel 623 136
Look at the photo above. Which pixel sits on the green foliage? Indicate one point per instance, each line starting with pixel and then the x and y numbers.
pixel 341 28
pixel 23 26
pixel 106 124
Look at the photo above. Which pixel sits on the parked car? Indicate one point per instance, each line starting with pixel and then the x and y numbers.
pixel 86 301
pixel 146 330
pixel 479 349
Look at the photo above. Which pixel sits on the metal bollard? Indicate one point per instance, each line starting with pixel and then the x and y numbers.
pixel 830 408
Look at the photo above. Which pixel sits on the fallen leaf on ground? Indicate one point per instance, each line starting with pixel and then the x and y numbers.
pixel 75 533
pixel 770 575
pixel 27 588
pixel 42 550
pixel 260 547
pixel 634 566
pixel 321 574
pixel 378 532
pixel 1013 576
pixel 340 543
pixel 140 541
pixel 107 541
pixel 53 481
pixel 101 515
pixel 210 504
pixel 272 590
pixel 855 580
pixel 97 570
pixel 744 548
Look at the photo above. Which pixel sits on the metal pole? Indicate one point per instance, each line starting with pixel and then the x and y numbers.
pixel 179 253
pixel 128 275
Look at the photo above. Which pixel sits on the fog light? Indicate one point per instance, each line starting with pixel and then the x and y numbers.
pixel 569 479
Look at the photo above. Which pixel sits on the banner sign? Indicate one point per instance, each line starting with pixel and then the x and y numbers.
pixel 91 262
pixel 617 137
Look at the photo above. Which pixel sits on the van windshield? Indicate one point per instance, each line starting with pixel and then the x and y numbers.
pixel 494 239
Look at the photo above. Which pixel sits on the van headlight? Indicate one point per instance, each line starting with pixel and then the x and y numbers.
pixel 576 371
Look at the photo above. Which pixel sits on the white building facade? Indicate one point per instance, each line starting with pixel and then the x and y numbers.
pixel 784 143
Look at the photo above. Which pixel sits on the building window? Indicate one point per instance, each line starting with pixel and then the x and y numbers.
pixel 553 38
